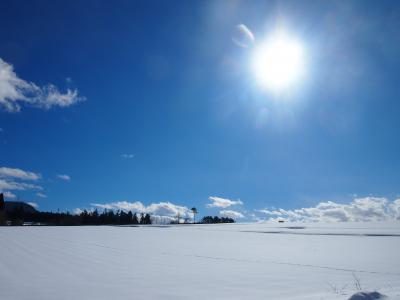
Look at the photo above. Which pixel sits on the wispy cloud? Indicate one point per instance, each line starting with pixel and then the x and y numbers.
pixel 9 195
pixel 123 205
pixel 64 177
pixel 222 202
pixel 15 91
pixel 41 195
pixel 127 155
pixel 18 173
pixel 13 185
pixel 13 179
pixel 360 209
pixel 231 214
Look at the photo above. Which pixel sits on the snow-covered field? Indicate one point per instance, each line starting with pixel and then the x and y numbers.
pixel 236 261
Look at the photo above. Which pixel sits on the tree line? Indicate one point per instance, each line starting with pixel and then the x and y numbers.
pixel 19 216
pixel 108 217
pixel 216 220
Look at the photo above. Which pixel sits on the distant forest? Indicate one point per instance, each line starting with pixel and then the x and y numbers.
pixel 20 215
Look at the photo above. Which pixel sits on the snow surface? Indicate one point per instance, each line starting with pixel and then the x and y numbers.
pixel 235 261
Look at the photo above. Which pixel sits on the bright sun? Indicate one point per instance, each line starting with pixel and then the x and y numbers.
pixel 278 62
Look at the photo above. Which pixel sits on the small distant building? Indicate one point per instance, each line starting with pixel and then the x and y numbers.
pixel 28 224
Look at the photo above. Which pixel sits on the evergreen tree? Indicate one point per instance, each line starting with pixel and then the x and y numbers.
pixel 95 217
pixel 2 203
pixel 129 217
pixel 2 213
pixel 142 218
pixel 147 219
pixel 123 218
pixel 135 219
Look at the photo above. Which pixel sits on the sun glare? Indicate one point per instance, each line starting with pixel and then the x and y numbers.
pixel 278 62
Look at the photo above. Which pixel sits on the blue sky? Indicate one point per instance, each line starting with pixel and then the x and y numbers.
pixel 166 108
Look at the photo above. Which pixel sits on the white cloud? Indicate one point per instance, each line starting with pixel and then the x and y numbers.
pixel 18 173
pixel 14 91
pixel 168 209
pixel 157 209
pixel 222 202
pixel 64 177
pixel 360 209
pixel 127 155
pixel 77 211
pixel 9 195
pixel 33 204
pixel 231 214
pixel 41 195
pixel 12 185
pixel 12 179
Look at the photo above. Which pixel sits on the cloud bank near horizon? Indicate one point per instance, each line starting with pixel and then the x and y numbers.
pixel 231 214
pixel 165 209
pixel 358 210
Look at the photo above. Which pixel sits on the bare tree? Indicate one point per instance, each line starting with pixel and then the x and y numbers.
pixel 194 212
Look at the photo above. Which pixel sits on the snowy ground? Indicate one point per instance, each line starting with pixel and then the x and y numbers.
pixel 237 261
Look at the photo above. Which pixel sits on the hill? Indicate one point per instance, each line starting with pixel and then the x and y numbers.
pixel 10 206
